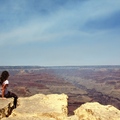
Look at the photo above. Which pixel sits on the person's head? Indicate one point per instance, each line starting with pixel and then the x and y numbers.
pixel 4 76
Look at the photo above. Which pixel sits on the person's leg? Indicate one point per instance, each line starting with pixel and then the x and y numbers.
pixel 9 95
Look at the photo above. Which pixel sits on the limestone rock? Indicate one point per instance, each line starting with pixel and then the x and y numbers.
pixel 41 107
pixel 6 107
pixel 54 107
pixel 73 117
pixel 96 111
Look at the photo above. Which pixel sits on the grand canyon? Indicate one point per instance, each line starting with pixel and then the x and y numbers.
pixel 81 83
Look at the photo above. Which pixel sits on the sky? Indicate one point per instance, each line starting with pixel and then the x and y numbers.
pixel 59 32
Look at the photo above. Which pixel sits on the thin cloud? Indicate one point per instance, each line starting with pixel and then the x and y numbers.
pixel 57 29
pixel 49 26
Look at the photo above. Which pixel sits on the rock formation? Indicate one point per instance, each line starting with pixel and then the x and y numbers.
pixel 96 111
pixel 6 107
pixel 40 107
pixel 54 107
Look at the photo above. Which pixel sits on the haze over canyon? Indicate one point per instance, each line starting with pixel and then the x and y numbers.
pixel 81 83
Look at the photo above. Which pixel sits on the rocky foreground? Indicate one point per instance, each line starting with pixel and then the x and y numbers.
pixel 54 107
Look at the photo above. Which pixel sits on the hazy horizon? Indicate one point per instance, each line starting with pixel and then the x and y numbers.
pixel 54 65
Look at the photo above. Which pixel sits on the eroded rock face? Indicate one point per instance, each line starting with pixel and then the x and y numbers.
pixel 96 111
pixel 54 107
pixel 6 107
pixel 41 107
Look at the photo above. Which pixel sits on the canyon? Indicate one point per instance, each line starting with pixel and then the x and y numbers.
pixel 80 83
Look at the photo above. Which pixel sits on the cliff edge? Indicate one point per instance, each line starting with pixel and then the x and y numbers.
pixel 54 107
pixel 6 107
pixel 40 107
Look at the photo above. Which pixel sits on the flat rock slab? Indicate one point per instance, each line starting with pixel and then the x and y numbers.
pixel 41 107
pixel 5 102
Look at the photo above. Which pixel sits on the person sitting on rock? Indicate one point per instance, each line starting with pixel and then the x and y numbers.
pixel 4 93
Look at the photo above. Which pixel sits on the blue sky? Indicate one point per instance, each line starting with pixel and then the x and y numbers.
pixel 59 32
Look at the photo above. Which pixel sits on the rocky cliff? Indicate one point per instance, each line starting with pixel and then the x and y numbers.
pixel 6 107
pixel 54 107
pixel 40 107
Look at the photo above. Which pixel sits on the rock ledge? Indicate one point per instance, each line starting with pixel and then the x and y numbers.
pixel 54 107
pixel 6 107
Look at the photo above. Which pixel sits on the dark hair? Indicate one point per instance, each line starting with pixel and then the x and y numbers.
pixel 4 76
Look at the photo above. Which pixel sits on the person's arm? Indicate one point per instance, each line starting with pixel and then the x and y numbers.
pixel 3 90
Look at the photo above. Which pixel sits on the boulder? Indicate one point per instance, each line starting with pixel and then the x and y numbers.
pixel 96 111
